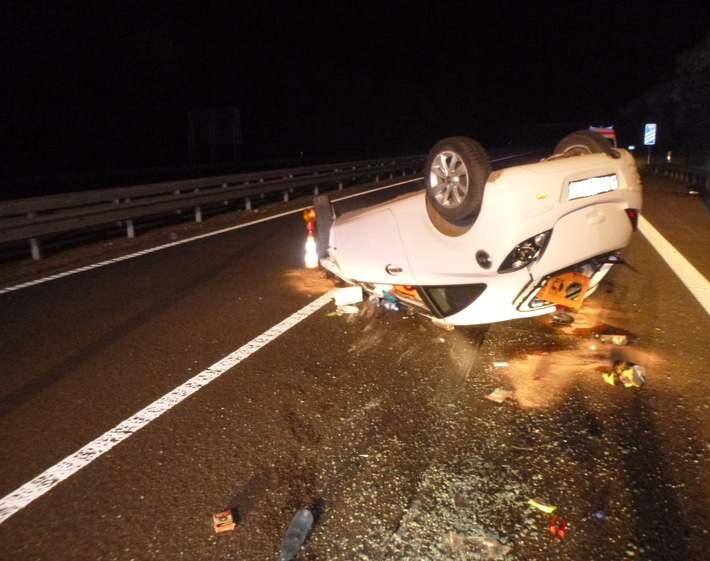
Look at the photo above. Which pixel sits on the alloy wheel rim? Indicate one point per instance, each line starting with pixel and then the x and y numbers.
pixel 448 179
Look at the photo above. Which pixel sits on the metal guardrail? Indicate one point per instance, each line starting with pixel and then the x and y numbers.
pixel 693 176
pixel 36 218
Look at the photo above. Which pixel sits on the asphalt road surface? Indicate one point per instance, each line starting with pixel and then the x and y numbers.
pixel 140 397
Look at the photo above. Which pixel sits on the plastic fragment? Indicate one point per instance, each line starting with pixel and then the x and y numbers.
pixel 615 336
pixel 626 373
pixel 296 534
pixel 538 504
pixel 481 546
pixel 499 395
pixel 389 301
pixel 442 324
pixel 558 526
pixel 561 318
pixel 348 295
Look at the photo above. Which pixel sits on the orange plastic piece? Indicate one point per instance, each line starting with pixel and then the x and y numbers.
pixel 555 289
pixel 556 530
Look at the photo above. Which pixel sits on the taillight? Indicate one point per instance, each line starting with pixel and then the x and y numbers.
pixel 633 214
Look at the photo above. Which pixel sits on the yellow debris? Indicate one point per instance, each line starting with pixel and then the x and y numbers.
pixel 538 504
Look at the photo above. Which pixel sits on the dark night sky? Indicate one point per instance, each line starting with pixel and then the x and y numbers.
pixel 105 85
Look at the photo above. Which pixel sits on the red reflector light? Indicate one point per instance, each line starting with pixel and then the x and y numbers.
pixel 407 290
pixel 633 214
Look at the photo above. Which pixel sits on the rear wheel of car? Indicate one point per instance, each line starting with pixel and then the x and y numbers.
pixel 583 142
pixel 456 172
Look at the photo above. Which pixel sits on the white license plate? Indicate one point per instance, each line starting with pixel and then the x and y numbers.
pixel 591 186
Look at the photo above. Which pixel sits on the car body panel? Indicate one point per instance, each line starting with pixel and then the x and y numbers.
pixel 596 229
pixel 374 253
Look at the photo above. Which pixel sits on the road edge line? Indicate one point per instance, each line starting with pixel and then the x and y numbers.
pixel 693 280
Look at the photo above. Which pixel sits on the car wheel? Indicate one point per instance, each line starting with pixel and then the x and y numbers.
pixel 450 228
pixel 583 142
pixel 456 172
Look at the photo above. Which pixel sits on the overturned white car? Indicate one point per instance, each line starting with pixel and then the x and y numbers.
pixel 477 246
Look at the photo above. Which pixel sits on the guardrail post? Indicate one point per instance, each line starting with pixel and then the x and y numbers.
pixel 247 203
pixel 340 185
pixel 130 230
pixel 285 196
pixel 198 214
pixel 315 190
pixel 34 249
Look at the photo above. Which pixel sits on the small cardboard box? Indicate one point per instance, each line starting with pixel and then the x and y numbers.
pixel 223 521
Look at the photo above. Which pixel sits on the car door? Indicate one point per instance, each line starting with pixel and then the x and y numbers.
pixel 368 248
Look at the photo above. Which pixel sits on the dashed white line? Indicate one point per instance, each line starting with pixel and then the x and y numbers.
pixel 693 280
pixel 41 484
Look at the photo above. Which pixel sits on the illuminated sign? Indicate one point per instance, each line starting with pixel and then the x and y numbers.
pixel 649 134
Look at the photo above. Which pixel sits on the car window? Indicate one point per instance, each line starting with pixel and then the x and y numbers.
pixel 450 300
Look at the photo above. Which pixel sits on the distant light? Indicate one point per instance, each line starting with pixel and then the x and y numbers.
pixel 632 147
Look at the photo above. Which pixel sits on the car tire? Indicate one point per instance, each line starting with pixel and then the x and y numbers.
pixel 324 220
pixel 455 174
pixel 583 142
pixel 450 228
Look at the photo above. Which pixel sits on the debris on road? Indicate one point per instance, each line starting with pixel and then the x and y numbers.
pixel 558 526
pixel 223 521
pixel 348 295
pixel 540 505
pixel 499 395
pixel 389 301
pixel 347 309
pixel 627 373
pixel 484 547
pixel 561 318
pixel 442 324
pixel 296 534
pixel 499 364
pixel 615 336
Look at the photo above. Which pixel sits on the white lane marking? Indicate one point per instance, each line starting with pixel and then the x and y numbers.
pixel 375 190
pixel 41 484
pixel 693 280
pixel 180 242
